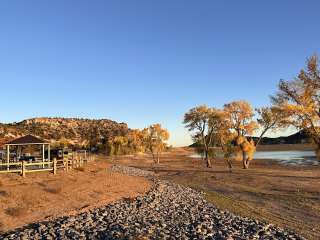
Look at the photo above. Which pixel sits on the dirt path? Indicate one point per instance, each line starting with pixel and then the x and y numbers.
pixel 286 196
pixel 42 196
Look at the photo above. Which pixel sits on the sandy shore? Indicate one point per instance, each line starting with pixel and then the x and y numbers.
pixel 286 196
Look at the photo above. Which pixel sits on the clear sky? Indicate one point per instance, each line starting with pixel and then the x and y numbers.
pixel 146 61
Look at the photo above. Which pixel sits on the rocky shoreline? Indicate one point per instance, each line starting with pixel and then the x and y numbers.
pixel 167 211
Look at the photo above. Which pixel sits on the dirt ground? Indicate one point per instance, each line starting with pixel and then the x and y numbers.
pixel 286 196
pixel 42 196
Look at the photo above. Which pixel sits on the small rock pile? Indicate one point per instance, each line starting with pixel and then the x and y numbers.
pixel 167 211
pixel 131 171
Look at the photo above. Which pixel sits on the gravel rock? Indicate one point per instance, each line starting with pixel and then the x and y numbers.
pixel 131 171
pixel 167 211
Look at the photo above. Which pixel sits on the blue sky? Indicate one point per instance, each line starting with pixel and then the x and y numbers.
pixel 144 62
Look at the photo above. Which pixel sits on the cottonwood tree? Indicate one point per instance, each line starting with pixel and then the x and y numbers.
pixel 240 116
pixel 119 143
pixel 136 141
pixel 156 140
pixel 300 98
pixel 226 141
pixel 270 119
pixel 197 121
pixel 224 137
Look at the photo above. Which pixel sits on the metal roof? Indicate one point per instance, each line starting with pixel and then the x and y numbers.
pixel 26 140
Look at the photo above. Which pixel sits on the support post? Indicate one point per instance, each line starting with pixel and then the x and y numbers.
pixel 43 155
pixel 23 169
pixel 8 157
pixel 49 157
pixel 54 166
pixel 66 163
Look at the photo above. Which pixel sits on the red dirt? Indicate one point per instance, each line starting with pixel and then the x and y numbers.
pixel 42 196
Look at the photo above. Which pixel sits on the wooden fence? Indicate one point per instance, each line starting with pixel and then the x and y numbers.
pixel 69 161
pixel 26 167
pixel 74 160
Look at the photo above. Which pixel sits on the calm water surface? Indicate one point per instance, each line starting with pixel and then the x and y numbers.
pixel 285 157
pixel 289 157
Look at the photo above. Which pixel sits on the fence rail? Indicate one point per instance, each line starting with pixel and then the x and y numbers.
pixel 10 164
pixel 70 161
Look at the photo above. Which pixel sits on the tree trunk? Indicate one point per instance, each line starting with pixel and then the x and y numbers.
pixel 247 163
pixel 158 158
pixel 209 163
pixel 229 164
pixel 153 157
pixel 208 160
pixel 203 155
pixel 245 160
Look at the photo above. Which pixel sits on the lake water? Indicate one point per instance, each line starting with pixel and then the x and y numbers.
pixel 289 157
pixel 285 157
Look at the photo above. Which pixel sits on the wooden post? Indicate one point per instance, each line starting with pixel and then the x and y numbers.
pixel 65 163
pixel 54 166
pixel 43 155
pixel 8 157
pixel 73 159
pixel 49 157
pixel 23 169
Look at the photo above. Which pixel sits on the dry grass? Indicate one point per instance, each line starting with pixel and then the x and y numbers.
pixel 15 211
pixel 81 169
pixel 3 193
pixel 53 190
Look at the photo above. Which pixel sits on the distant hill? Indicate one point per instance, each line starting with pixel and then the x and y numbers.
pixel 296 138
pixel 68 131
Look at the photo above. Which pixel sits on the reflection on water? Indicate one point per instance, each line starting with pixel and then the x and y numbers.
pixel 289 157
pixel 285 157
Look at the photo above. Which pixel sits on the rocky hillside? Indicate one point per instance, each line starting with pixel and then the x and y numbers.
pixel 66 131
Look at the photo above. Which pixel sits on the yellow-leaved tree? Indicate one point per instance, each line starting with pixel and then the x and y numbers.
pixel 271 119
pixel 198 120
pixel 300 99
pixel 156 139
pixel 135 141
pixel 224 137
pixel 240 117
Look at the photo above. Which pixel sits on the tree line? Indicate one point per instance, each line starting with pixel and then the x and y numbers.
pixel 152 139
pixel 296 103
